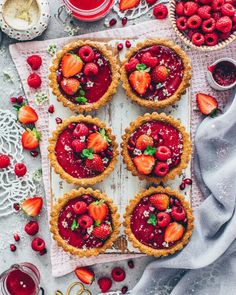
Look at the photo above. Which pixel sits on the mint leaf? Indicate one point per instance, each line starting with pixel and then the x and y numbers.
pixel 141 67
pixel 74 225
pixel 152 219
pixel 150 150
pixel 81 99
pixel 87 153
pixel 102 131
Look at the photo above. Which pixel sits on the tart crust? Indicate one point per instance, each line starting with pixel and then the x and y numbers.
pixel 146 249
pixel 185 157
pixel 110 91
pixel 185 83
pixel 57 167
pixel 60 205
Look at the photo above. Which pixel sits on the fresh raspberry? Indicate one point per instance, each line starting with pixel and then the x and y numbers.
pixel 194 21
pixel 160 11
pixel 205 2
pixel 80 130
pixel 118 274
pixel 224 24
pixel 86 53
pixel 224 36
pixel 179 8
pixel 211 39
pixel 151 1
pixel 95 164
pixel 161 169
pixel 149 60
pixel 233 2
pixel 216 15
pixel 35 62
pixel 190 8
pixel 198 39
pixel 80 207
pixel 32 228
pixel 204 11
pixel 228 9
pixel 131 65
pixel 38 244
pixel 208 26
pixel 20 169
pixel 163 153
pixel 78 145
pixel 217 4
pixel 163 219
pixel 90 69
pixel 178 213
pixel 234 22
pixel 191 33
pixel 181 23
pixel 34 81
pixel 85 221
pixel 105 284
pixel 4 161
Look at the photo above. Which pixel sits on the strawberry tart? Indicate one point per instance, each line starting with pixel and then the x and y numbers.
pixel 83 150
pixel 156 73
pixel 158 221
pixel 85 222
pixel 156 147
pixel 84 75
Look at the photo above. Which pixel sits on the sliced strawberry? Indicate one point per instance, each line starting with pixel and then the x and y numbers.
pixel 30 139
pixel 140 81
pixel 32 206
pixel 85 275
pixel 174 232
pixel 144 163
pixel 128 4
pixel 207 104
pixel 143 142
pixel 27 115
pixel 160 201
pixel 71 65
pixel 98 141
pixel 98 211
pixel 70 86
pixel 95 163
pixel 102 231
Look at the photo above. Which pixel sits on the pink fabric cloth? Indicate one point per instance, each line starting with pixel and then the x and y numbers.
pixel 62 263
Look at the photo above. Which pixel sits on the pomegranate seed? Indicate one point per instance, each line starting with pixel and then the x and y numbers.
pixel 16 237
pixel 120 46
pixel 152 209
pixel 51 109
pixel 124 21
pixel 151 236
pixel 13 100
pixel 83 80
pixel 151 87
pixel 188 181
pixel 43 252
pixel 124 290
pixel 185 220
pixel 160 231
pixel 177 203
pixel 13 248
pixel 95 128
pixel 182 186
pixel 20 99
pixel 131 264
pixel 112 22
pixel 58 120
pixel 16 207
pixel 34 153
pixel 59 78
pixel 71 126
pixel 97 56
pixel 127 44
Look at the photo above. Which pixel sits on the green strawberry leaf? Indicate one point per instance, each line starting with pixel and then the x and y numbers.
pixel 87 153
pixel 152 219
pixel 97 223
pixel 150 150
pixel 141 67
pixel 102 131
pixel 74 225
pixel 81 99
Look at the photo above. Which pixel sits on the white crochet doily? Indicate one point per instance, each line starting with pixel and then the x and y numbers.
pixel 13 189
pixel 136 12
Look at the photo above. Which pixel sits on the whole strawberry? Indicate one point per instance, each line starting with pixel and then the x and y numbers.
pixel 102 231
pixel 34 61
pixel 95 163
pixel 160 73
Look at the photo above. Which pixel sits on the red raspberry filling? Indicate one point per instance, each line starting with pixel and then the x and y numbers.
pixel 224 73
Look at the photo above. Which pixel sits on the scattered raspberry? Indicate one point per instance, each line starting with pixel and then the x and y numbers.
pixel 181 23
pixel 211 39
pixel 32 228
pixel 204 11
pixel 118 274
pixel 34 81
pixel 35 62
pixel 179 8
pixel 217 4
pixel 105 284
pixel 38 244
pixel 190 8
pixel 20 169
pixel 160 11
pixel 224 24
pixel 208 26
pixel 198 39
pixel 90 69
pixel 4 161
pixel 194 21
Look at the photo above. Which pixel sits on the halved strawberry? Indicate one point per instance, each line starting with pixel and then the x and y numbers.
pixel 30 139
pixel 207 104
pixel 144 163
pixel 160 201
pixel 140 81
pixel 71 65
pixel 98 211
pixel 174 232
pixel 128 4
pixel 102 231
pixel 143 142
pixel 32 206
pixel 98 141
pixel 85 275
pixel 27 115
pixel 70 85
pixel 95 163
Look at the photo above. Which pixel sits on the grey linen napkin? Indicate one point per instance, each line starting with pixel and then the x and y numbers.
pixel 207 265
